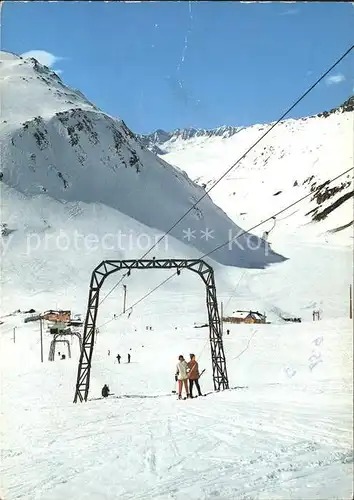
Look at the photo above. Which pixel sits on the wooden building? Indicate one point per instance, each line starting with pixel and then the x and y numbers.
pixel 247 317
pixel 57 316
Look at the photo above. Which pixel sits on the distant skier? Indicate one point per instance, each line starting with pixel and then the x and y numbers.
pixel 227 332
pixel 118 358
pixel 182 376
pixel 128 358
pixel 193 375
pixel 62 356
pixel 105 391
pixel 109 352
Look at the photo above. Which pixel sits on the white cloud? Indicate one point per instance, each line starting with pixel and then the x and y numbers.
pixel 334 79
pixel 43 57
pixel 289 12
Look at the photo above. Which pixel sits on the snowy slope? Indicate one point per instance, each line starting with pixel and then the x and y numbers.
pixel 294 159
pixel 283 432
pixel 54 142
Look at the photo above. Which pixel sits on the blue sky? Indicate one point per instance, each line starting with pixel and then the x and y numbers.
pixel 184 64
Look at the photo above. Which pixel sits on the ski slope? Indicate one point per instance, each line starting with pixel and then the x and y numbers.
pixel 283 430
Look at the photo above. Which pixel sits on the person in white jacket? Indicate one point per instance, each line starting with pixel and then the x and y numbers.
pixel 182 376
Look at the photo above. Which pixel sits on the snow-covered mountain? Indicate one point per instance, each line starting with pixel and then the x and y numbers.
pixel 68 168
pixel 160 137
pixel 77 187
pixel 55 143
pixel 296 158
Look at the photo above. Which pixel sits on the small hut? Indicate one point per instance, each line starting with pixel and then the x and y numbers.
pixel 57 316
pixel 247 317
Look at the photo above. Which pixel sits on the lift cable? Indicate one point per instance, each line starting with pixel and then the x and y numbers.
pixel 241 158
pixel 229 241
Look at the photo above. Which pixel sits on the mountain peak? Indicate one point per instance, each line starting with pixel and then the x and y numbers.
pixel 157 139
pixel 348 105
pixel 345 107
pixel 29 89
pixel 8 56
pixel 56 144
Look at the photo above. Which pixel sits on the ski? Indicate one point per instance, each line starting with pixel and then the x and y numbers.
pixel 201 395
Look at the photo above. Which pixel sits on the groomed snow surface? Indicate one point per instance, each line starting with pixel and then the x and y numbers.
pixel 283 430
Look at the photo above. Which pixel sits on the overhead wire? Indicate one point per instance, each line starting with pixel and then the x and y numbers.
pixel 130 308
pixel 226 243
pixel 234 165
pixel 234 290
pixel 112 289
pixel 250 148
pixel 275 215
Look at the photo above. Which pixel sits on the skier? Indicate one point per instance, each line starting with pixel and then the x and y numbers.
pixel 105 391
pixel 182 376
pixel 128 357
pixel 62 356
pixel 109 352
pixel 228 332
pixel 193 375
pixel 118 358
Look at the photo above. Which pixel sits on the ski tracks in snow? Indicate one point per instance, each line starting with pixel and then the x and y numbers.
pixel 271 441
pixel 164 449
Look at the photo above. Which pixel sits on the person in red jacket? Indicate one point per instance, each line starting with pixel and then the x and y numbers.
pixel 193 375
